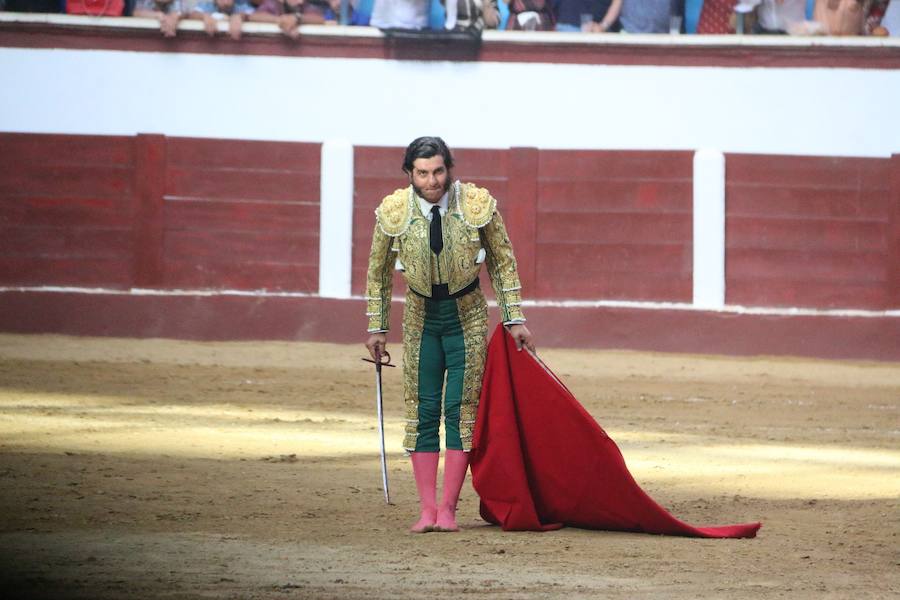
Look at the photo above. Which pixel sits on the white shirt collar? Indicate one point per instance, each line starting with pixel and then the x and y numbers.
pixel 425 205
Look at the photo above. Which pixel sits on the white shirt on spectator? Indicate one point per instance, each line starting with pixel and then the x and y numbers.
pixel 781 15
pixel 400 14
pixel 891 19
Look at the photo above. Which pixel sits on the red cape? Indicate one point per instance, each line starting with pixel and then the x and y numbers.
pixel 540 461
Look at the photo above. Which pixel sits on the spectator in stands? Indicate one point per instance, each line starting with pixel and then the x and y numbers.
pixel 285 13
pixel 324 12
pixel 876 14
pixel 842 17
pixel 473 15
pixel 213 11
pixel 889 24
pixel 597 16
pixel 167 12
pixel 33 6
pixel 646 16
pixel 777 16
pixel 400 14
pixel 531 15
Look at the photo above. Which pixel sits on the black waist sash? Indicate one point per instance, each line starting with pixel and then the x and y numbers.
pixel 441 291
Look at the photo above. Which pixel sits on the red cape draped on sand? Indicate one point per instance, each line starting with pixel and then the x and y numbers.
pixel 541 462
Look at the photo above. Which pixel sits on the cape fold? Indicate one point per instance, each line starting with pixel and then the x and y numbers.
pixel 541 462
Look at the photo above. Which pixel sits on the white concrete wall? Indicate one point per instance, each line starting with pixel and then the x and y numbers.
pixel 839 112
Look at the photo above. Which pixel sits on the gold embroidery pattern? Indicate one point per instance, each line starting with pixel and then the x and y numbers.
pixel 413 324
pixel 416 256
pixel 477 205
pixel 472 311
pixel 379 282
pixel 395 212
pixel 501 264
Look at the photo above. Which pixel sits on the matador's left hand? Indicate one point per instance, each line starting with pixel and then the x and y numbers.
pixel 522 336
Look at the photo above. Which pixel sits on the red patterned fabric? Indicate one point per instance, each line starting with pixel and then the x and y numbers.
pixel 715 17
pixel 541 462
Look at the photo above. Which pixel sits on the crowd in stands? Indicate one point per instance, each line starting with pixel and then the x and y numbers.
pixel 797 17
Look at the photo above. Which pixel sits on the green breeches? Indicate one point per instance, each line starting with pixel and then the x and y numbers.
pixel 443 339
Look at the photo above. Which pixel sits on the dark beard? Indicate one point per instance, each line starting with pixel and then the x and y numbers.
pixel 446 186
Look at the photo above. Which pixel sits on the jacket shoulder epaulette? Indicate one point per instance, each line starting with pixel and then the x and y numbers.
pixel 477 205
pixel 394 213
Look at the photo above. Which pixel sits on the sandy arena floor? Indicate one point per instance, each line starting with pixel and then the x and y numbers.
pixel 165 469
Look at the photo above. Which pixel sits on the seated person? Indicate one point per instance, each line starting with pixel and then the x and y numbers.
pixel 32 6
pixel 400 14
pixel 167 12
pixel 328 12
pixel 530 15
pixel 597 16
pixel 285 13
pixel 778 16
pixel 717 17
pixel 474 15
pixel 646 16
pixel 213 11
pixel 842 17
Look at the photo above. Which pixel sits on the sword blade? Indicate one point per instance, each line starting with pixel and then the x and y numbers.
pixel 380 410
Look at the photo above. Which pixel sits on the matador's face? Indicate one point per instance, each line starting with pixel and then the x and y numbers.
pixel 430 177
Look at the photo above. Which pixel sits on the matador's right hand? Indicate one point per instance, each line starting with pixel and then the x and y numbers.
pixel 376 344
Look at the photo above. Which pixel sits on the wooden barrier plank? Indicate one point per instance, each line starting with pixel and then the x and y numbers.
pixel 892 264
pixel 594 283
pixel 150 182
pixel 225 274
pixel 815 172
pixel 520 213
pixel 20 149
pixel 247 155
pixel 801 202
pixel 65 242
pixel 612 228
pixel 275 217
pixel 822 294
pixel 561 263
pixel 241 184
pixel 481 164
pixel 581 196
pixel 66 271
pixel 369 190
pixel 66 180
pixel 877 202
pixel 378 161
pixel 49 211
pixel 243 246
pixel 610 164
pixel 806 234
pixel 839 267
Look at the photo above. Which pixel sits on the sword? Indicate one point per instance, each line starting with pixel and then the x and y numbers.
pixel 378 402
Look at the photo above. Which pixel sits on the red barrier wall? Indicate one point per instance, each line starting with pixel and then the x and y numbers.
pixel 157 212
pixel 66 210
pixel 584 224
pixel 810 231
pixel 615 225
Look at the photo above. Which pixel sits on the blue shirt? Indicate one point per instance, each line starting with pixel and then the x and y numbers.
pixel 570 11
pixel 646 16
pixel 240 7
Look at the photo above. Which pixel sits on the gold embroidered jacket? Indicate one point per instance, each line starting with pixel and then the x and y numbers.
pixel 473 233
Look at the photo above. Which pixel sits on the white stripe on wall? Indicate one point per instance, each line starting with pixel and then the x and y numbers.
pixel 709 229
pixel 336 219
pixel 379 102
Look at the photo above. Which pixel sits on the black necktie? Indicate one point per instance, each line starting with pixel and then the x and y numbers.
pixel 436 237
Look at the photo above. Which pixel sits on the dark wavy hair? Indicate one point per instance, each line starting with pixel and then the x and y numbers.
pixel 426 147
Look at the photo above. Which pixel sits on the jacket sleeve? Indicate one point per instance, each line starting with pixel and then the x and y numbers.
pixel 379 282
pixel 501 265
